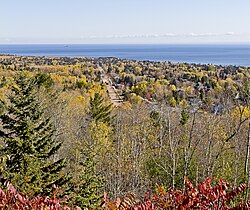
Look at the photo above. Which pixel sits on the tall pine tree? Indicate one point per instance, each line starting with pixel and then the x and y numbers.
pixel 89 183
pixel 28 140
pixel 98 111
pixel 89 187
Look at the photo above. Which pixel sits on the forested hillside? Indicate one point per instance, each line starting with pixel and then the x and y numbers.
pixel 111 125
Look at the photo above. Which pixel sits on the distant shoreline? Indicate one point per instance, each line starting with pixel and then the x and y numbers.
pixel 122 59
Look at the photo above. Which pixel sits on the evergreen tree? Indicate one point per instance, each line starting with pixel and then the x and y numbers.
pixel 98 111
pixel 87 181
pixel 89 188
pixel 28 141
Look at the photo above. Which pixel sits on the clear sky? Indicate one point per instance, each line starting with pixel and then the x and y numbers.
pixel 124 21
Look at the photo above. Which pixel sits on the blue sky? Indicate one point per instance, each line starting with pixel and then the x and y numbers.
pixel 125 21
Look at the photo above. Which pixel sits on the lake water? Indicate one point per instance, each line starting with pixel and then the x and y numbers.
pixel 216 54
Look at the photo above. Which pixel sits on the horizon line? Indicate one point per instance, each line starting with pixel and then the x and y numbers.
pixel 124 43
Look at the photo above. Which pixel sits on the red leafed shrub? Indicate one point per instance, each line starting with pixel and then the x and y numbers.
pixel 11 199
pixel 203 197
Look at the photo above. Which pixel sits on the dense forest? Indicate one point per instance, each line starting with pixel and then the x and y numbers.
pixel 94 125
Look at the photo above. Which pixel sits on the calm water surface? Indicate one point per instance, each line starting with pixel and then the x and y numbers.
pixel 215 54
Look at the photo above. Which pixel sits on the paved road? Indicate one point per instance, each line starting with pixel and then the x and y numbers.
pixel 114 97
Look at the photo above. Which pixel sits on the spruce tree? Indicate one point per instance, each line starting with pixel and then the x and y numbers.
pixel 89 189
pixel 28 140
pixel 98 111
pixel 89 183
